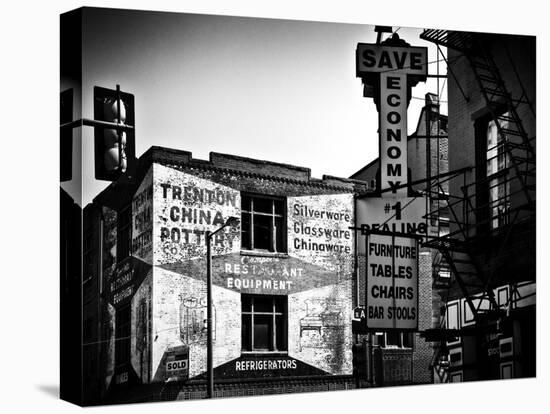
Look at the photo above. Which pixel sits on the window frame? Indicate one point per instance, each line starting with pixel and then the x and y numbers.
pixel 274 248
pixel 494 155
pixel 492 173
pixel 283 301
pixel 382 340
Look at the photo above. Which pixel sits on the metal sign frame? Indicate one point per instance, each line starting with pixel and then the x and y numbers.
pixel 417 238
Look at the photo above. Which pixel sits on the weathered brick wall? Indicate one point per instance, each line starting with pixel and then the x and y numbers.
pixel 179 311
pixel 192 392
pixel 245 174
pixel 329 346
pixel 184 208
pixel 321 278
pixel 326 238
pixel 423 351
pixel 140 328
pixel 258 166
pixel 142 220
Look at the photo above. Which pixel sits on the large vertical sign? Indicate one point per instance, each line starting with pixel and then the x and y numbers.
pixel 391 224
pixel 392 70
pixel 393 131
pixel 392 282
pixel 395 215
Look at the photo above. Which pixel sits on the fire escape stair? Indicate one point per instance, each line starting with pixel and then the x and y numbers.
pixel 501 104
pixel 473 280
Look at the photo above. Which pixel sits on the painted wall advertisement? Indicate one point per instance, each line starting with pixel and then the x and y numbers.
pixel 313 275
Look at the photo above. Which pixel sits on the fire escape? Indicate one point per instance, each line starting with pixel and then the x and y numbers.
pixel 483 228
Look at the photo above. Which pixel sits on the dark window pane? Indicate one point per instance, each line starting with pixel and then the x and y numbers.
pixel 263 224
pixel 122 342
pixel 246 333
pixel 380 340
pixel 246 303
pixel 280 305
pixel 263 205
pixel 262 332
pixel 261 326
pixel 245 231
pixel 280 327
pixel 408 340
pixel 279 234
pixel 245 202
pixel 279 207
pixel 263 304
pixel 392 339
pixel 262 232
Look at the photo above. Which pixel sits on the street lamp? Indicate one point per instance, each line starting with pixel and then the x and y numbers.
pixel 233 222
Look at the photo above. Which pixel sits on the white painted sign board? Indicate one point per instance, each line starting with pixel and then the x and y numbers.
pixel 392 282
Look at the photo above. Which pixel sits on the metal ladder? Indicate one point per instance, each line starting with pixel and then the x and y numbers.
pixel 503 109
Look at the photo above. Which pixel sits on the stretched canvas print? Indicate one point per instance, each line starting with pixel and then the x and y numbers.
pixel 260 206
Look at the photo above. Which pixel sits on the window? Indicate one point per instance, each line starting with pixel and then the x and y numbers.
pixel 499 184
pixel 444 273
pixel 395 339
pixel 264 323
pixel 124 233
pixel 122 335
pixel 263 223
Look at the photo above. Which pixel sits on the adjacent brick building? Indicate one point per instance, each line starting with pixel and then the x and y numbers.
pixel 488 330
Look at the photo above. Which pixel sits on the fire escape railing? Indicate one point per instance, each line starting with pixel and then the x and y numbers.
pixel 475 213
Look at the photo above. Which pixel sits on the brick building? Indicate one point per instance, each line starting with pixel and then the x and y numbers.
pixel 488 328
pixel 283 280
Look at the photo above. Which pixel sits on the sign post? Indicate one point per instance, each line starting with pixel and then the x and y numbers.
pixel 393 222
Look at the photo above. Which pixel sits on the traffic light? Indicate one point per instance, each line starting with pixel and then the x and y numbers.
pixel 360 361
pixel 114 135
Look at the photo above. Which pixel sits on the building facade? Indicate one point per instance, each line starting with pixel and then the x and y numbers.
pixel 283 280
pixel 487 330
pixel 285 283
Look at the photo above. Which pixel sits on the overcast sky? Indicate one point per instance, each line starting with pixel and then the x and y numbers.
pixel 277 90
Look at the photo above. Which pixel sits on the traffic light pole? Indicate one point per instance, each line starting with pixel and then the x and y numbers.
pixel 231 221
pixel 95 123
